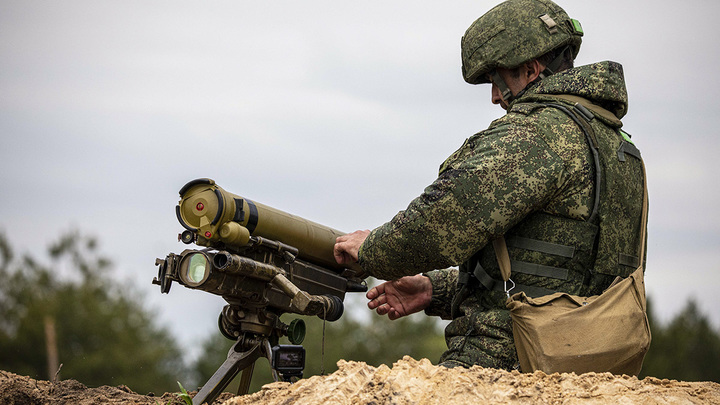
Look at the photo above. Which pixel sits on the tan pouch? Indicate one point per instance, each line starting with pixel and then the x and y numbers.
pixel 567 333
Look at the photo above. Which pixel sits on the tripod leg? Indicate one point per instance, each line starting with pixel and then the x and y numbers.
pixel 269 355
pixel 235 362
pixel 245 379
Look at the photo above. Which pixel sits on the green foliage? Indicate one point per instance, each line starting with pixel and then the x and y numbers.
pixel 105 336
pixel 184 394
pixel 686 349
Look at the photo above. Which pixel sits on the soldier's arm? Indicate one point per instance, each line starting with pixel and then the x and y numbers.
pixel 444 285
pixel 497 177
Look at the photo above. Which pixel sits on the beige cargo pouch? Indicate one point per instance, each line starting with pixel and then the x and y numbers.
pixel 567 333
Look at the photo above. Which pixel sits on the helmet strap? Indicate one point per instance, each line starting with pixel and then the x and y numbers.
pixel 553 66
pixel 502 86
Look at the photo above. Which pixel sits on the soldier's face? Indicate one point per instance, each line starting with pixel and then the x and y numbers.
pixel 513 81
pixel 516 80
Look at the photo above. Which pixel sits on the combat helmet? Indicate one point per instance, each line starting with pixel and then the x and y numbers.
pixel 514 32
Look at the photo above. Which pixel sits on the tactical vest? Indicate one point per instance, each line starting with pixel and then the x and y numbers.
pixel 550 253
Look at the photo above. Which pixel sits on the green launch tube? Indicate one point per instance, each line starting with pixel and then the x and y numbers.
pixel 221 219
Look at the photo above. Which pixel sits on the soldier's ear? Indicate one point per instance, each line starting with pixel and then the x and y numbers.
pixel 532 70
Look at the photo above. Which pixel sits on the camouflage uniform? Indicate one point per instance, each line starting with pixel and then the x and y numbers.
pixel 530 176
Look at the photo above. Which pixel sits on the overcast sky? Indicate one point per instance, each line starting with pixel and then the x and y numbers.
pixel 340 112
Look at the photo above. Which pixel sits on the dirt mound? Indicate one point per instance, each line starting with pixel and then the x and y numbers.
pixel 408 382
pixel 419 382
pixel 19 390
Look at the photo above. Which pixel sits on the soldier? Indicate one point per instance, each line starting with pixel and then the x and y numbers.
pixel 556 176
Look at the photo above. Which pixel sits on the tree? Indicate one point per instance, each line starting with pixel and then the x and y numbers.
pixel 105 336
pixel 687 349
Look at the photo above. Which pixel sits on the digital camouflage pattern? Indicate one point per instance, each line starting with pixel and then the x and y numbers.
pixel 513 33
pixel 530 174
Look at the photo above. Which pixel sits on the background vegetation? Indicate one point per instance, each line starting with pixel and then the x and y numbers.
pixel 105 334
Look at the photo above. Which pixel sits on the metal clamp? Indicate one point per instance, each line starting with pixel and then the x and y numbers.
pixel 507 290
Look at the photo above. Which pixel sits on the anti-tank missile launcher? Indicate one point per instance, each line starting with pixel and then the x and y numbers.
pixel 264 262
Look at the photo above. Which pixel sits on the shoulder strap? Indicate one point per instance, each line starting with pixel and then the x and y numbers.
pixel 643 228
pixel 584 124
pixel 503 257
pixel 596 109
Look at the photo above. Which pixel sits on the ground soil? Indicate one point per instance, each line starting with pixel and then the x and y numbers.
pixel 20 390
pixel 407 382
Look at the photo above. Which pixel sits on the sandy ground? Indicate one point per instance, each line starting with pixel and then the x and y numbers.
pixel 419 382
pixel 407 382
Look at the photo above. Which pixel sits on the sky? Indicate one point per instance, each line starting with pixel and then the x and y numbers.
pixel 339 112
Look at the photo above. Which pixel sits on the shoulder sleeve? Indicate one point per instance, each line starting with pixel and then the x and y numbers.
pixel 495 179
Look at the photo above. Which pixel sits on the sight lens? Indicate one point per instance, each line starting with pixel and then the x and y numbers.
pixel 197 268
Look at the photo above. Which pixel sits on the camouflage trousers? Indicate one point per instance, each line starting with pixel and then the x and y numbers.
pixel 482 337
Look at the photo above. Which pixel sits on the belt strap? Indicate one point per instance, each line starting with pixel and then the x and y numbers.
pixel 628 260
pixel 498 285
pixel 541 246
pixel 539 270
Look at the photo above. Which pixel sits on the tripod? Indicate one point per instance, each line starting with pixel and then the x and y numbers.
pixel 286 361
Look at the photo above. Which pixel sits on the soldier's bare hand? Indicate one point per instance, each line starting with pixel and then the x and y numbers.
pixel 347 246
pixel 401 297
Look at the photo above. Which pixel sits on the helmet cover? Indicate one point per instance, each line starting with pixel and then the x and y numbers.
pixel 515 32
